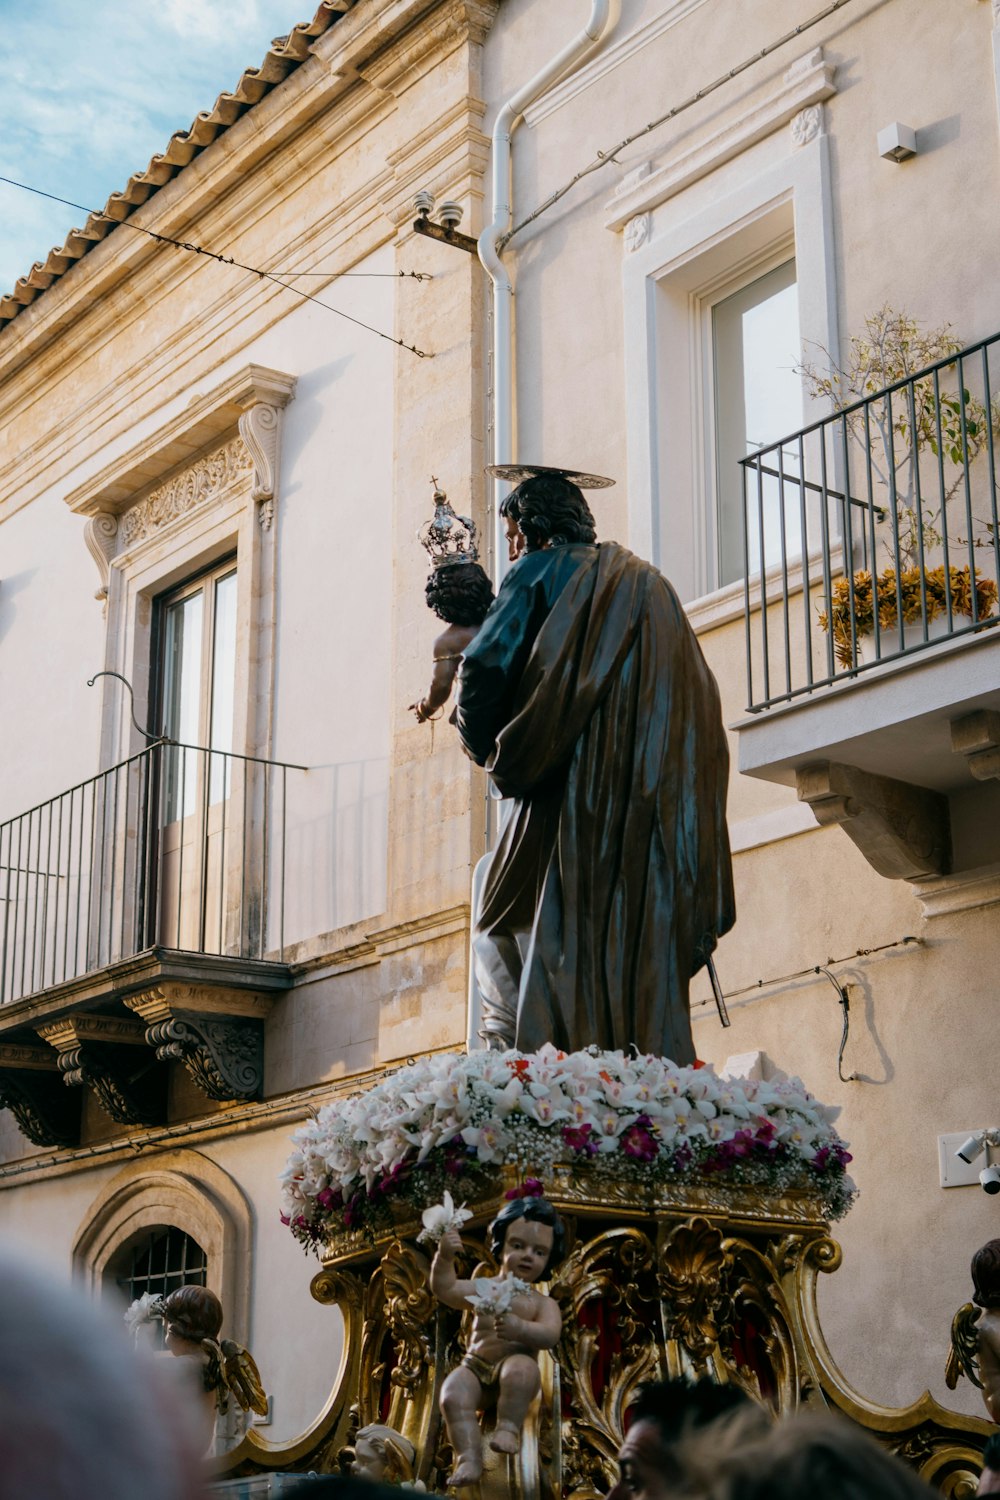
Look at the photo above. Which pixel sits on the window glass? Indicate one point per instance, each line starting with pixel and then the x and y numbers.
pixel 223 682
pixel 162 1261
pixel 756 348
pixel 182 684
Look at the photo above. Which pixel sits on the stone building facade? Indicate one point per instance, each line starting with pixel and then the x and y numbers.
pixel 203 944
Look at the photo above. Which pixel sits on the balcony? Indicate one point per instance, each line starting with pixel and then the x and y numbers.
pixel 142 923
pixel 872 559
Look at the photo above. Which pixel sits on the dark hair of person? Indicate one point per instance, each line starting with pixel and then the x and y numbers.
pixel 459 593
pixel 536 1211
pixel 193 1312
pixel 678 1406
pixel 549 511
pixel 986 1275
pixel 341 1487
pixel 991 1453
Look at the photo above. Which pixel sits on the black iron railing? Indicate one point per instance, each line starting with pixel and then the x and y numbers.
pixel 873 532
pixel 177 847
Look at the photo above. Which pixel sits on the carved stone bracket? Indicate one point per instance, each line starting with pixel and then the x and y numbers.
pixel 102 1053
pixel 217 1034
pixel 903 831
pixel 977 737
pixel 101 537
pixel 32 1089
pixel 259 428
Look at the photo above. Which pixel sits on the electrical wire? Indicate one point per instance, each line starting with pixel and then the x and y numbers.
pixel 229 260
pixel 605 158
pixel 760 984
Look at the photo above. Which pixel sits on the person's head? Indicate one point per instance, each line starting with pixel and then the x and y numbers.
pixel 548 511
pixel 192 1313
pixel 83 1413
pixel 989 1479
pixel 665 1416
pixel 382 1453
pixel 805 1455
pixel 459 593
pixel 527 1238
pixel 986 1275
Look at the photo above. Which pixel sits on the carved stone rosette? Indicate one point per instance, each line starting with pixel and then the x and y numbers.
pixel 706 1279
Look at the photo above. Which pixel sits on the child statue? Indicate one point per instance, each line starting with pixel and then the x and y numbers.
pixel 513 1322
pixel 216 1369
pixel 986 1294
pixel 460 593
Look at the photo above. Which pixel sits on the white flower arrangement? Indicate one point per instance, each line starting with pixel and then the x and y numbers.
pixel 441 1217
pixel 148 1308
pixel 495 1294
pixel 449 1116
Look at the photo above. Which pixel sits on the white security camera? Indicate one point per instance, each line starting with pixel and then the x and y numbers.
pixel 989 1180
pixel 970 1149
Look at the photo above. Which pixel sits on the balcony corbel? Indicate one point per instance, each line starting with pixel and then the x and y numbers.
pixel 903 831
pixel 217 1034
pixel 101 1053
pixel 977 737
pixel 31 1087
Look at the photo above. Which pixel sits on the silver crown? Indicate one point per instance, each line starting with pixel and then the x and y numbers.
pixel 448 538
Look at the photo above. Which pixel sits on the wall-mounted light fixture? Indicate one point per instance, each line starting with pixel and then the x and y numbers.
pixel 897 142
pixel 447 231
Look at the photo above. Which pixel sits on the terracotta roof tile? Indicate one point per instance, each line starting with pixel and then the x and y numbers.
pixel 283 57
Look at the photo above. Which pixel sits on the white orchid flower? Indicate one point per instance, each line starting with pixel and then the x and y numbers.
pixel 441 1217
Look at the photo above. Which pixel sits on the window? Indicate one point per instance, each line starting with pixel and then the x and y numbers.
pixel 196 671
pixel 755 348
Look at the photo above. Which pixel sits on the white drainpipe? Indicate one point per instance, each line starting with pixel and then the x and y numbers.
pixel 489 253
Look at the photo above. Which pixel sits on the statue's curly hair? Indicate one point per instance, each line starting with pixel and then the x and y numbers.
pixel 193 1312
pixel 536 1211
pixel 459 593
pixel 549 511
pixel 986 1275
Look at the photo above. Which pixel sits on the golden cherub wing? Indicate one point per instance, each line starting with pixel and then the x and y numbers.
pixel 963 1356
pixel 243 1378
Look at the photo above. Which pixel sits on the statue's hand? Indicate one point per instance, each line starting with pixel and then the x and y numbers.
pixel 450 1244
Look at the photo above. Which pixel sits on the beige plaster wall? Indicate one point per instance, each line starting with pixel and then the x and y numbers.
pixel 920 237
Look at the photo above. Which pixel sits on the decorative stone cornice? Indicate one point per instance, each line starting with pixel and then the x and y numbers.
pixel 449 156
pixel 406 59
pixel 903 831
pixel 217 1034
pixel 808 81
pixel 204 481
pixel 204 423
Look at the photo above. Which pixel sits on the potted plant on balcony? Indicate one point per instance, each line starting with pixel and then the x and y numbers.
pixel 953 426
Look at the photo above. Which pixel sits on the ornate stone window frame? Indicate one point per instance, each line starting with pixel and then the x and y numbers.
pixel 758 187
pixel 200 486
pixel 188 1191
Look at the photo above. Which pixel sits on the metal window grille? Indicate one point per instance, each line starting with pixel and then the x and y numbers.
pixel 165 1260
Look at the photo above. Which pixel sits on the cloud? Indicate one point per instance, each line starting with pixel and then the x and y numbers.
pixel 90 96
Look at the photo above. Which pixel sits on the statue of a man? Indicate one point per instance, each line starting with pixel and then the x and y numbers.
pixel 587 698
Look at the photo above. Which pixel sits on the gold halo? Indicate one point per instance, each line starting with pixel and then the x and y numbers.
pixel 517 473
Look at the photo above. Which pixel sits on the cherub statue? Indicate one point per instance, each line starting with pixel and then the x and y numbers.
pixel 385 1455
pixel 459 593
pixel 193 1319
pixel 975 1335
pixel 513 1322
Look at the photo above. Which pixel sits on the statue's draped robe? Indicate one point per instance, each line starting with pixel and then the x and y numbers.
pixel 587 698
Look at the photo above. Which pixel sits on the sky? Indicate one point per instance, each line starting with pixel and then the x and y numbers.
pixel 91 89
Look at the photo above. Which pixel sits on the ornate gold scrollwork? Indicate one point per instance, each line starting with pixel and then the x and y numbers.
pixel 694 1267
pixel 697 1282
pixel 410 1310
pixel 607 1289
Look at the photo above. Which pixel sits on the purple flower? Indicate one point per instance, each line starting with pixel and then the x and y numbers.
pixel 530 1187
pixel 638 1141
pixel 579 1139
pixel 330 1199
